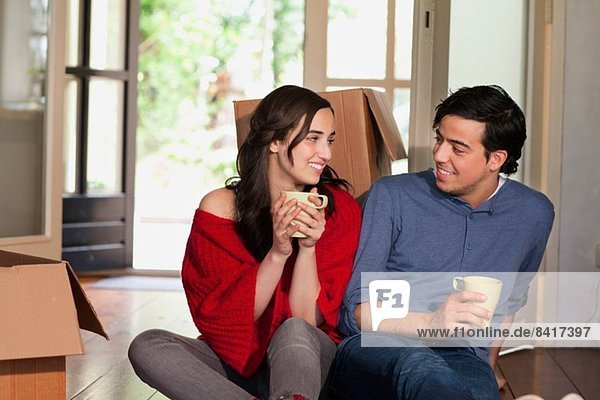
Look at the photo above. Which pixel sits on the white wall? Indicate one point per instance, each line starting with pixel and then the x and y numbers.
pixel 580 188
pixel 488 45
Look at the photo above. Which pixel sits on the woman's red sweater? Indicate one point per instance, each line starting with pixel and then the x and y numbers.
pixel 219 278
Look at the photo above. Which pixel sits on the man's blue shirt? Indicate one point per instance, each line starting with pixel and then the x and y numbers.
pixel 409 225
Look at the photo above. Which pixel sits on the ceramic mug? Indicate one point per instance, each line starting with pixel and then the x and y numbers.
pixel 490 287
pixel 302 197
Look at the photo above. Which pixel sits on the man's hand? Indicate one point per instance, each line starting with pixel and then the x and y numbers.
pixel 460 311
pixel 456 312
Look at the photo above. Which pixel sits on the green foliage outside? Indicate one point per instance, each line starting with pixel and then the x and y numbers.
pixel 191 52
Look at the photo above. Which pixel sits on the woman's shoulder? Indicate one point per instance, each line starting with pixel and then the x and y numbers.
pixel 219 202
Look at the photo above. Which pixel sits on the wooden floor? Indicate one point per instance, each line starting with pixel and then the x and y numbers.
pixel 104 372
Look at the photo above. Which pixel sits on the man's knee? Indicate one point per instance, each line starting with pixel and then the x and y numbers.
pixel 427 383
pixel 390 372
pixel 421 374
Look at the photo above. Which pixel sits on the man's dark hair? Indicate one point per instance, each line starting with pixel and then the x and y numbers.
pixel 504 121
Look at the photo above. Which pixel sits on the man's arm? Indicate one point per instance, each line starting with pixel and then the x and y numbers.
pixel 457 311
pixel 378 231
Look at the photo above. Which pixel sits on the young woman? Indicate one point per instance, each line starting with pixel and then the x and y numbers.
pixel 266 304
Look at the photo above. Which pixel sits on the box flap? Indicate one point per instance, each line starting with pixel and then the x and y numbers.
pixel 8 259
pixel 86 315
pixel 384 117
pixel 37 312
pixel 42 307
pixel 243 110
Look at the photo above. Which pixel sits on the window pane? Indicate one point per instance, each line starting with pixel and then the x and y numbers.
pixel 105 137
pixel 70 136
pixel 404 27
pixel 356 39
pixel 23 154
pixel 72 34
pixel 402 113
pixel 107 34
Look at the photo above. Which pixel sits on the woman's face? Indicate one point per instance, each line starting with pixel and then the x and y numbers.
pixel 310 156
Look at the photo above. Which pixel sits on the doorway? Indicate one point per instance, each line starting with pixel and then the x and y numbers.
pixel 99 134
pixel 195 58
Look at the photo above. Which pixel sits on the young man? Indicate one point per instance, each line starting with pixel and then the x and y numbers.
pixel 463 216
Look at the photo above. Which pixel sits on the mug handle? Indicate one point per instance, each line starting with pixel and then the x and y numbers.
pixel 458 283
pixel 324 201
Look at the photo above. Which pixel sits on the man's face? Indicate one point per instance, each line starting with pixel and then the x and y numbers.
pixel 462 169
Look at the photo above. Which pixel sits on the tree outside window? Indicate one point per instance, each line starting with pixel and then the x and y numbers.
pixel 195 58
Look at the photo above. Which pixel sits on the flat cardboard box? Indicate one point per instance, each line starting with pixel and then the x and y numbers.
pixel 367 138
pixel 42 308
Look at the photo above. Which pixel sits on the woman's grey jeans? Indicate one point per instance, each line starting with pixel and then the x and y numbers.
pixel 297 362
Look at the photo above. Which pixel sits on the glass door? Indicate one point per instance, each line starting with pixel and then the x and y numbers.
pixel 100 108
pixel 195 59
pixel 23 66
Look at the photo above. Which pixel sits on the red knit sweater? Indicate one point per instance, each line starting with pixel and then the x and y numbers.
pixel 219 278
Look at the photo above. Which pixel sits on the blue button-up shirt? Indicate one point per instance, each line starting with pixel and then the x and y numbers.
pixel 409 225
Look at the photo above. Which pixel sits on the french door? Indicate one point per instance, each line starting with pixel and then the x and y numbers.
pixel 99 137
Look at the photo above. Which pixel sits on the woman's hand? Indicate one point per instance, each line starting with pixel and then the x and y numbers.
pixel 282 229
pixel 314 220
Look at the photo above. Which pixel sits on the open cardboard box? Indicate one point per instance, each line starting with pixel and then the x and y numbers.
pixel 367 138
pixel 42 307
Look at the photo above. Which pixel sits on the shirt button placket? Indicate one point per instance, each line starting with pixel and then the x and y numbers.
pixel 468 243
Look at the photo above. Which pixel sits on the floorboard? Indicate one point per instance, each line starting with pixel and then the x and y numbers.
pixel 582 367
pixel 120 382
pixel 505 393
pixel 104 371
pixel 535 372
pixel 101 355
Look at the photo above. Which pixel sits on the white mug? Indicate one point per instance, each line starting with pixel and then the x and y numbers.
pixel 302 197
pixel 490 287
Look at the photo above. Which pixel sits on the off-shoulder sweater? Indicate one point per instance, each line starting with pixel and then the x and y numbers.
pixel 219 278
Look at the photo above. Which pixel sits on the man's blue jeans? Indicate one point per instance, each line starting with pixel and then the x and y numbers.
pixel 410 373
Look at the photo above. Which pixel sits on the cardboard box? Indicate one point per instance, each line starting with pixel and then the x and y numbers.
pixel 42 307
pixel 367 138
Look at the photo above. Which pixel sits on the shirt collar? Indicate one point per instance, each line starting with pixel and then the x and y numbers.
pixel 501 181
pixel 487 206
